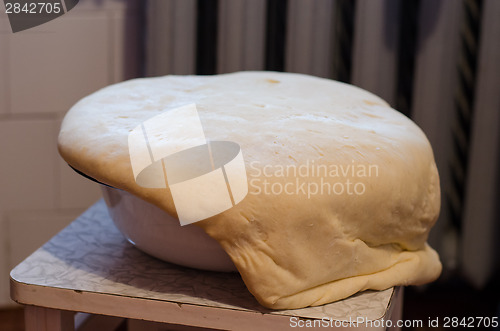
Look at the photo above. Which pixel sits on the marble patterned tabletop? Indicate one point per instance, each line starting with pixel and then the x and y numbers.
pixel 91 255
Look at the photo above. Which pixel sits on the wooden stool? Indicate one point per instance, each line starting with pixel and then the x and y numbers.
pixel 89 267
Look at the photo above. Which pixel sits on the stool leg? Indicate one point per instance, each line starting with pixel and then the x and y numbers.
pixel 47 319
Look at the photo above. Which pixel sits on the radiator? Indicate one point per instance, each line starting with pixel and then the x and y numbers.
pixel 436 61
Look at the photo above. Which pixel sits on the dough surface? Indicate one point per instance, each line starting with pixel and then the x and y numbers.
pixel 300 247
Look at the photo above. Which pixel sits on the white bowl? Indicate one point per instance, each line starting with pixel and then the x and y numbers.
pixel 155 232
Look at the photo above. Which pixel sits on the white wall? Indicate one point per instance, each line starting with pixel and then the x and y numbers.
pixel 43 72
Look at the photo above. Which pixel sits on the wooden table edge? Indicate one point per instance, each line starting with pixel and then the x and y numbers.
pixel 149 309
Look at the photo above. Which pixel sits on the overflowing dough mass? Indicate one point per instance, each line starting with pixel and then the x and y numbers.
pixel 343 190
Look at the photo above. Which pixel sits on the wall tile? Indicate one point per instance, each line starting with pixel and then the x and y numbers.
pixel 4 21
pixel 32 229
pixel 4 65
pixel 27 164
pixel 4 270
pixel 3 76
pixel 57 63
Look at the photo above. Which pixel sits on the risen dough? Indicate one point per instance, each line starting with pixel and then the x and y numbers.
pixel 299 249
